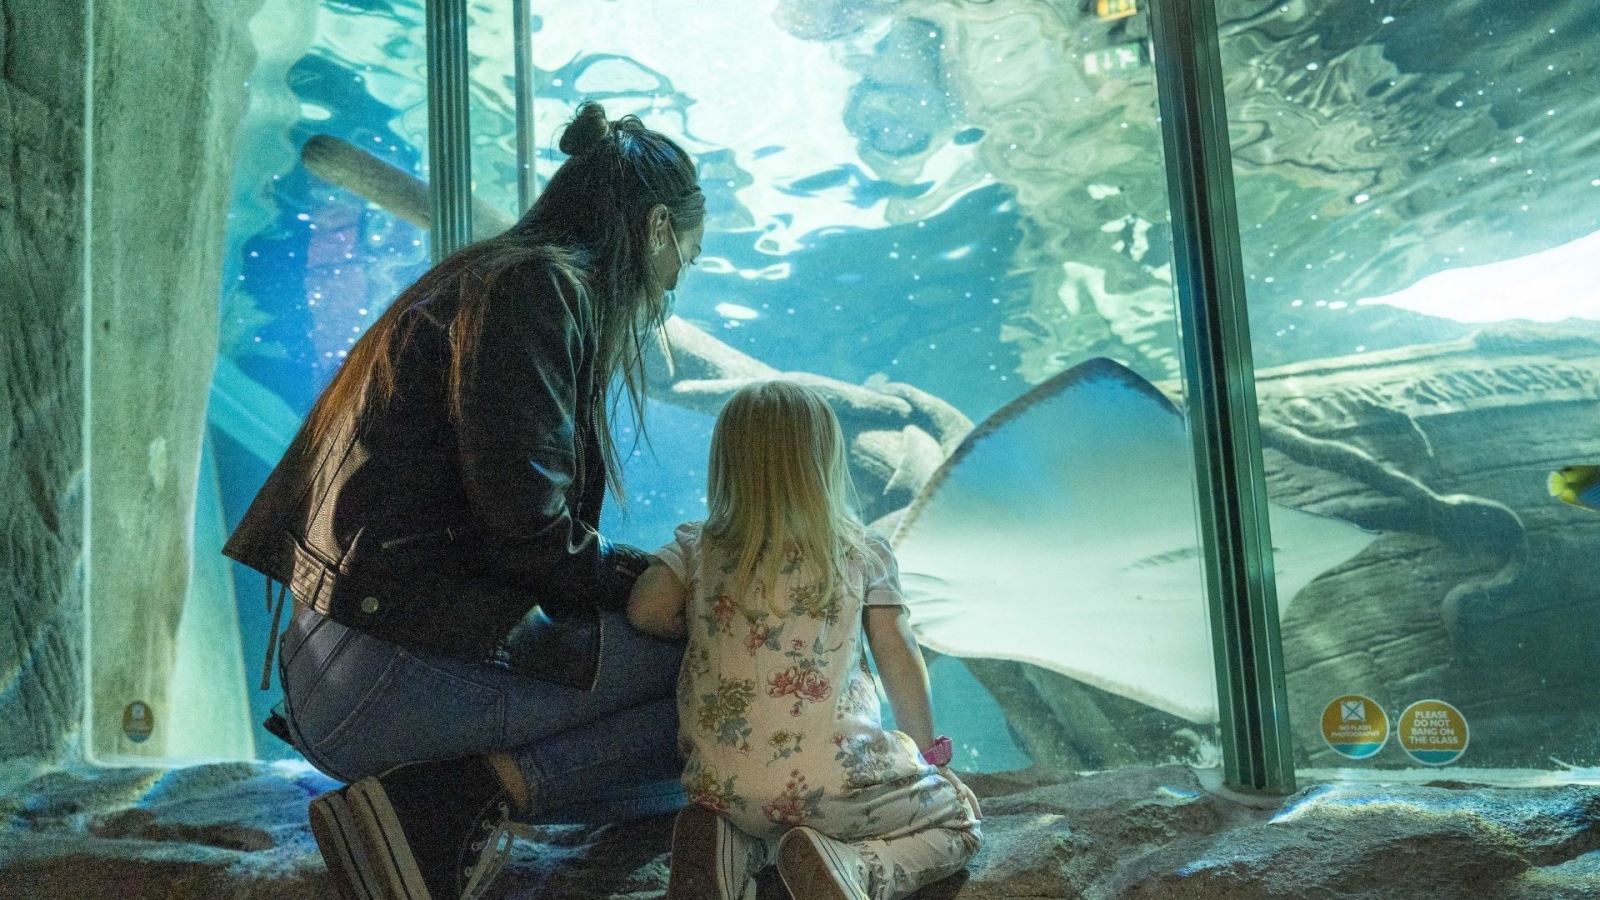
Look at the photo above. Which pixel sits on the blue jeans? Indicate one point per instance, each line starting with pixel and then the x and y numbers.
pixel 358 706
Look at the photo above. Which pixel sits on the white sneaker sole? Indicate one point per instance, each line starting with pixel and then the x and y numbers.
pixel 343 851
pixel 813 867
pixel 395 868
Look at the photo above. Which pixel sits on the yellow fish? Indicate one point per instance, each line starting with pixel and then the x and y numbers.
pixel 1577 485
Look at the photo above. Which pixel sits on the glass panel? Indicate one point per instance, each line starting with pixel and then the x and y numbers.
pixel 311 265
pixel 968 200
pixel 1420 208
pixel 940 211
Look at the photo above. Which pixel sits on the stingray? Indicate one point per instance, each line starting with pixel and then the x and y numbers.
pixel 1062 532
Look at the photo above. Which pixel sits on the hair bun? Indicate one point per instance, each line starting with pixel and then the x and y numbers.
pixel 586 130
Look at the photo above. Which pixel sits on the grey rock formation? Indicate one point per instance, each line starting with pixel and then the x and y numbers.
pixel 239 831
pixel 1472 592
pixel 41 375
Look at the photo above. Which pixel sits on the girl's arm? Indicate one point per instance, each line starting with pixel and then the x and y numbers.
pixel 902 670
pixel 905 680
pixel 657 602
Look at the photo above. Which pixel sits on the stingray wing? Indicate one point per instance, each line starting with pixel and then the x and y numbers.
pixel 1062 533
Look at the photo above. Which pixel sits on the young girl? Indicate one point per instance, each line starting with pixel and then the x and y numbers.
pixel 788 759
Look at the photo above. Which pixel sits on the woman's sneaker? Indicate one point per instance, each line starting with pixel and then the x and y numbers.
pixel 339 839
pixel 434 831
pixel 694 855
pixel 817 867
pixel 711 859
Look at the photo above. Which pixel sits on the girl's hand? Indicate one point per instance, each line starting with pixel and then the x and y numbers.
pixel 964 792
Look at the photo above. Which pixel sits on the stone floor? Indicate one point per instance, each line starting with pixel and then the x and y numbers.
pixel 239 831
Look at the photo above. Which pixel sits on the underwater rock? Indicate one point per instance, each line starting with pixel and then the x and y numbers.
pixel 240 831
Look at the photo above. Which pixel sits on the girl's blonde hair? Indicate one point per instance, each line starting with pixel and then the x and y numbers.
pixel 779 490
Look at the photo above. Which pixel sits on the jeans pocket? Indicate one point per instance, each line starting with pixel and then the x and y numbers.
pixel 414 711
pixel 301 631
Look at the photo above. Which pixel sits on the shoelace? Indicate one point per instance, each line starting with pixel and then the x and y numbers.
pixel 493 851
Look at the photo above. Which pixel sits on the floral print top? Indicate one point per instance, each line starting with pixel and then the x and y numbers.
pixel 779 716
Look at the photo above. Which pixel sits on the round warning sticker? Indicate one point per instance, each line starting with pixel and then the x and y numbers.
pixel 1433 732
pixel 1355 726
pixel 138 720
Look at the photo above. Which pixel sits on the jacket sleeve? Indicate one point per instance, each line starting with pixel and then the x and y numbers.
pixel 517 451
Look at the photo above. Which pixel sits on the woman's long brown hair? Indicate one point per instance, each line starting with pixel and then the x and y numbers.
pixel 590 229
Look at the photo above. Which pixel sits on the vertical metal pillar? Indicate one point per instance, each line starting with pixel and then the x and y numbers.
pixel 1220 395
pixel 449 131
pixel 527 176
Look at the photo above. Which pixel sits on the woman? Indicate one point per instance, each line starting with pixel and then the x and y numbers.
pixel 457 651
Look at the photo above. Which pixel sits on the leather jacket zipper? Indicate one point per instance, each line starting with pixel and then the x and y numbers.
pixel 599 649
pixel 448 534
pixel 579 438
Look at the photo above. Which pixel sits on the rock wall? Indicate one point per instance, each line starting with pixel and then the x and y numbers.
pixel 41 374
pixel 169 94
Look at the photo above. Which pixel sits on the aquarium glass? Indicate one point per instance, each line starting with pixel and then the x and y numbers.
pixel 938 212
pixel 1419 206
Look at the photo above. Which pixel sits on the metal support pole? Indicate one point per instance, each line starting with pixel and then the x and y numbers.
pixel 449 131
pixel 522 52
pixel 1220 395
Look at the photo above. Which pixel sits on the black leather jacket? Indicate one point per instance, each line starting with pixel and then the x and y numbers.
pixel 445 535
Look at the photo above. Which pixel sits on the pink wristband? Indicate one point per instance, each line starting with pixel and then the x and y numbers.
pixel 938 753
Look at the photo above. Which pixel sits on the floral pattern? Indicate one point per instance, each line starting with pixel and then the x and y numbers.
pixel 722 712
pixel 763 694
pixel 719 618
pixel 785 744
pixel 865 758
pixel 763 635
pixel 795 804
pixel 706 789
pixel 808 600
pixel 803 682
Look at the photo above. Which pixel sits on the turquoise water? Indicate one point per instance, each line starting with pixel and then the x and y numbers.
pixel 320 264
pixel 969 198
